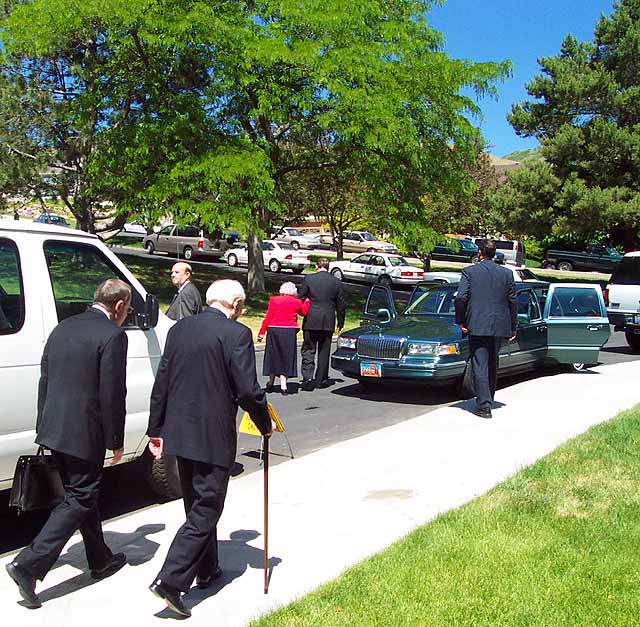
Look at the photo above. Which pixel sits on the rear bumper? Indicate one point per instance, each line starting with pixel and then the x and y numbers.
pixel 624 320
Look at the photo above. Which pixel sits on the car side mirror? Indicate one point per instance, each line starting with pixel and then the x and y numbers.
pixel 383 315
pixel 149 318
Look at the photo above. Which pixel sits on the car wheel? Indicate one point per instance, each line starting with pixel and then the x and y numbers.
pixel 162 475
pixel 150 247
pixel 333 247
pixel 188 253
pixel 232 260
pixel 548 266
pixel 371 250
pixel 465 386
pixel 274 265
pixel 297 270
pixel 338 274
pixel 475 259
pixel 578 366
pixel 385 281
pixel 633 340
pixel 565 266
pixel 295 245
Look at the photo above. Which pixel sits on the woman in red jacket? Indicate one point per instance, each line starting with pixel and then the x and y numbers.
pixel 281 325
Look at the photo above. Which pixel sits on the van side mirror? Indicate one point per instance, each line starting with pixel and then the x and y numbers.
pixel 149 318
pixel 383 315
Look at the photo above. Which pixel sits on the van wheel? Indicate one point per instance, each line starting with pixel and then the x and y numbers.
pixel 150 247
pixel 578 366
pixel 633 340
pixel 188 253
pixel 371 250
pixel 465 385
pixel 232 260
pixel 565 266
pixel 274 265
pixel 162 475
pixel 295 245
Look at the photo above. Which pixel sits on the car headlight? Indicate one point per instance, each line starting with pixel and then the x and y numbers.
pixel 347 342
pixel 433 349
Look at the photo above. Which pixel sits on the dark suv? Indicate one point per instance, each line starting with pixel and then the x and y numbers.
pixel 468 252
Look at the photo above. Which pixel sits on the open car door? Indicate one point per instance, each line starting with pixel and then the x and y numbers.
pixel 380 306
pixel 577 323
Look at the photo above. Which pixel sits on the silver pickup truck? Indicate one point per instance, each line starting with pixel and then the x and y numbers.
pixel 187 242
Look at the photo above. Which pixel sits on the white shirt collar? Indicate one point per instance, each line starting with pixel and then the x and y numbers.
pixel 102 308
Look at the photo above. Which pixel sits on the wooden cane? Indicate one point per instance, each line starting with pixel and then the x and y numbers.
pixel 265 449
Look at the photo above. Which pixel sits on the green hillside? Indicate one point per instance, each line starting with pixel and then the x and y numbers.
pixel 533 154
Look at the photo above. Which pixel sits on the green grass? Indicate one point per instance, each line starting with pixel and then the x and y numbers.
pixel 555 545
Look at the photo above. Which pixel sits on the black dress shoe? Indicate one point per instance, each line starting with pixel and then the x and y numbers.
pixel 483 413
pixel 307 385
pixel 284 391
pixel 110 568
pixel 268 388
pixel 26 584
pixel 205 582
pixel 325 383
pixel 171 596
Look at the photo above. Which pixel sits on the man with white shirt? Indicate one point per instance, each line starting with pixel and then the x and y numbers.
pixel 81 413
pixel 187 301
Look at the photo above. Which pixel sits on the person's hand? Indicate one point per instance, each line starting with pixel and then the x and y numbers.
pixel 513 337
pixel 117 456
pixel 260 338
pixel 156 447
pixel 464 329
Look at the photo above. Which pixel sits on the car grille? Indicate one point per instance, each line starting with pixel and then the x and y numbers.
pixel 379 347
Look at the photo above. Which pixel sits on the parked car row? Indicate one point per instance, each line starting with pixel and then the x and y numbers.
pixel 277 256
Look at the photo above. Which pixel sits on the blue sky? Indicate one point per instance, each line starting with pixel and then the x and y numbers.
pixel 518 30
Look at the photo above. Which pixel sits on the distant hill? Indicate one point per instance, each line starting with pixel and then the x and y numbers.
pixel 533 154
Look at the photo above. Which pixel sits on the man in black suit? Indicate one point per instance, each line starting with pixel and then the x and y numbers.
pixel 324 292
pixel 187 300
pixel 208 368
pixel 81 414
pixel 486 309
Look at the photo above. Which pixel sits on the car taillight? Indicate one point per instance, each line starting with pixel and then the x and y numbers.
pixel 201 244
pixel 606 297
pixel 515 246
pixel 408 273
pixel 289 257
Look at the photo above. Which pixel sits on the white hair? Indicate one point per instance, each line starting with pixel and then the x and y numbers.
pixel 225 291
pixel 289 288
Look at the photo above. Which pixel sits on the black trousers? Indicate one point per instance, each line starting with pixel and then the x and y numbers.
pixel 484 363
pixel 194 550
pixel 313 341
pixel 78 511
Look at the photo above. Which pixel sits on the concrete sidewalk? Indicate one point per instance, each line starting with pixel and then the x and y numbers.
pixel 332 508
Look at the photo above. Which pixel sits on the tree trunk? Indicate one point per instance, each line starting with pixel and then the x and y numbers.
pixel 255 274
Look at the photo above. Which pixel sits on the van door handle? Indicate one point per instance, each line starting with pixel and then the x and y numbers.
pixel 593 327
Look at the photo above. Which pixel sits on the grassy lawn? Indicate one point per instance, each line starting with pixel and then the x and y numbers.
pixel 555 545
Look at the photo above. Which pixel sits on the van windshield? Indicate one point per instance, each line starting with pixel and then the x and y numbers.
pixel 627 272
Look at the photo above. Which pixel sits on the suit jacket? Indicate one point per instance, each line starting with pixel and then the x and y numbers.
pixel 486 300
pixel 324 292
pixel 82 390
pixel 207 369
pixel 186 302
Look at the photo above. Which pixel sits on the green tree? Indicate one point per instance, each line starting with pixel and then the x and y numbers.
pixel 587 118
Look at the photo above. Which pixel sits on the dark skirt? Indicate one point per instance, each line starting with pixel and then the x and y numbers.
pixel 281 353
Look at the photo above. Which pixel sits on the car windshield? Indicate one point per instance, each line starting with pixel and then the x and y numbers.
pixel 398 261
pixel 436 301
pixel 295 232
pixel 285 246
pixel 467 244
pixel 367 236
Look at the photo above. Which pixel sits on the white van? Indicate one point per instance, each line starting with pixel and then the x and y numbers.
pixel 48 273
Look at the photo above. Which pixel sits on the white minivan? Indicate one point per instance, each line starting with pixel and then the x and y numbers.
pixel 48 273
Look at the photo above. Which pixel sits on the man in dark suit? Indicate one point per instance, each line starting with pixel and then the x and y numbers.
pixel 486 309
pixel 326 299
pixel 187 300
pixel 81 414
pixel 208 368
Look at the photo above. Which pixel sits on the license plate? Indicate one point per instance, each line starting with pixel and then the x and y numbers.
pixel 370 370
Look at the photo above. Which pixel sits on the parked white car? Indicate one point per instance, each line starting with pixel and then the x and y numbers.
pixel 48 273
pixel 296 237
pixel 381 268
pixel 277 256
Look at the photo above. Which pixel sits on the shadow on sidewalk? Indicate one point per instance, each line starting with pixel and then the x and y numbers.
pixel 138 548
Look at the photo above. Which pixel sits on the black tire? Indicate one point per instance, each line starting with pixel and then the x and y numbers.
pixel 371 250
pixel 163 477
pixel 633 340
pixel 475 259
pixel 548 266
pixel 150 247
pixel 385 280
pixel 232 260
pixel 274 265
pixel 465 385
pixel 565 266
pixel 579 366
pixel 298 270
pixel 296 245
pixel 187 253
pixel 338 274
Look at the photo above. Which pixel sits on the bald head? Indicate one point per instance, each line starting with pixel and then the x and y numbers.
pixel 180 273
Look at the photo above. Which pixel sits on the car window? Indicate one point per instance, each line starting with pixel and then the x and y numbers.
pixel 575 302
pixel 438 300
pixel 378 299
pixel 467 245
pixel 75 270
pixel 398 261
pixel 627 272
pixel 377 260
pixel 11 292
pixel 267 246
pixel 361 259
pixel 367 236
pixel 187 231
pixel 528 305
pixel 285 246
pixel 166 230
pixel 503 244
pixel 295 232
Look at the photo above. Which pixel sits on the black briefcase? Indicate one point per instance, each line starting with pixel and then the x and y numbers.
pixel 36 483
